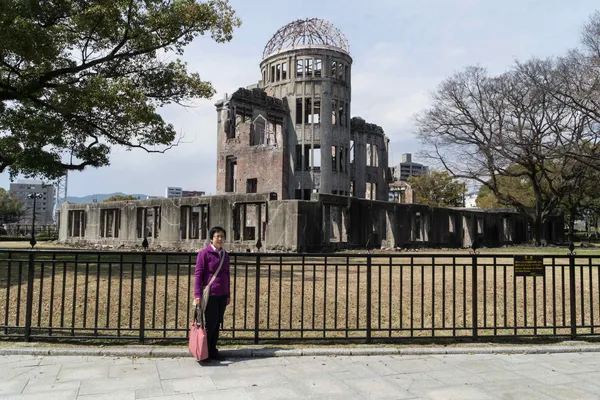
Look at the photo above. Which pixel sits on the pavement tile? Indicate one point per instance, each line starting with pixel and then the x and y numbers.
pixel 471 366
pixel 13 386
pixel 110 360
pixel 501 375
pixel 569 367
pixel 132 371
pixel 372 359
pixel 261 362
pixel 454 393
pixel 414 380
pixel 491 386
pixel 8 373
pixel 313 367
pixel 323 385
pixel 148 393
pixel 45 373
pixel 229 394
pixel 566 392
pixel 60 360
pixel 112 395
pixel 33 386
pixel 187 385
pixel 593 377
pixel 275 393
pixel 104 385
pixel 462 380
pixel 249 378
pixel 417 365
pixel 58 395
pixel 522 393
pixel 20 360
pixel 379 388
pixel 78 372
pixel 452 372
pixel 173 370
pixel 548 377
pixel 187 396
pixel 363 370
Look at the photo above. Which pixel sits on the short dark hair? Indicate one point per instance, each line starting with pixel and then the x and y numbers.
pixel 216 229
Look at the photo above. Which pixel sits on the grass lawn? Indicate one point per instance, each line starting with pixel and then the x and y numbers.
pixel 39 245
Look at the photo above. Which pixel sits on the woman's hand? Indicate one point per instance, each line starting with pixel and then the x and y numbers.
pixel 197 301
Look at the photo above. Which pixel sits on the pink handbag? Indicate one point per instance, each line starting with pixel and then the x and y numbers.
pixel 198 344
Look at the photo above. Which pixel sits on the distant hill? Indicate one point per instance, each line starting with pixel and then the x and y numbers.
pixel 100 197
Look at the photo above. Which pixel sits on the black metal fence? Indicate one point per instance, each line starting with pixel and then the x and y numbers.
pixel 147 297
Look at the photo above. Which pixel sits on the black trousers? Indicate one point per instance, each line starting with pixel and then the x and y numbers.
pixel 213 315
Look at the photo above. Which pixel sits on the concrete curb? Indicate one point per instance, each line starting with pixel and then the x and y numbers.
pixel 165 352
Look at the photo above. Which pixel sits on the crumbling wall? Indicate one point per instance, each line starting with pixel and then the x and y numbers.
pixel 258 222
pixel 252 151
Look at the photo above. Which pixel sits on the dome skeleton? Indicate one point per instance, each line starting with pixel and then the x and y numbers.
pixel 306 33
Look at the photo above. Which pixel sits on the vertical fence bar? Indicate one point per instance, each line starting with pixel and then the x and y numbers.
pixel 29 306
pixel 325 299
pixel 474 294
pixel 257 301
pixel 143 300
pixel 572 300
pixel 8 278
pixel 369 298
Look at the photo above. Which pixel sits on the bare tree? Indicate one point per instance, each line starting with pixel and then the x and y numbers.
pixel 484 128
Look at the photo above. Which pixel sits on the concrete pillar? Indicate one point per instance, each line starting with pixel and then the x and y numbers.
pixel 467 231
pixel 326 139
pixel 326 223
pixel 391 239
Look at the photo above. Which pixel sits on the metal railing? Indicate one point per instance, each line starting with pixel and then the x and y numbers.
pixel 147 297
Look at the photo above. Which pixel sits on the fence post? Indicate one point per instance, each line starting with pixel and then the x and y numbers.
pixel 368 298
pixel 572 302
pixel 29 305
pixel 257 301
pixel 474 294
pixel 143 299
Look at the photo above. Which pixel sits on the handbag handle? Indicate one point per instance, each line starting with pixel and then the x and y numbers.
pixel 198 313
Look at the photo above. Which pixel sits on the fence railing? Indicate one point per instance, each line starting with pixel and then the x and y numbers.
pixel 147 297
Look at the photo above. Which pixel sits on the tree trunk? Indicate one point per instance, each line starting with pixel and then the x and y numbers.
pixel 537 218
pixel 572 225
pixel 537 230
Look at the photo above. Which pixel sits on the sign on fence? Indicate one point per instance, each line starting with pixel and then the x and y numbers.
pixel 529 265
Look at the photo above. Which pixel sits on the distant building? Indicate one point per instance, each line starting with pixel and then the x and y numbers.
pixel 193 193
pixel 173 192
pixel 177 192
pixel 408 168
pixel 44 206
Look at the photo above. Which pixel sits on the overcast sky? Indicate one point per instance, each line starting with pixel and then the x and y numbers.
pixel 401 50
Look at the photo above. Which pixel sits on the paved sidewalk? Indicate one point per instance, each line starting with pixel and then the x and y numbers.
pixel 459 376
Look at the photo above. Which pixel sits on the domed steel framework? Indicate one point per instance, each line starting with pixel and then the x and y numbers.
pixel 306 33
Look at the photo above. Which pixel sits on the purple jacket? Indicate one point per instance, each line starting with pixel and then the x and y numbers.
pixel 206 265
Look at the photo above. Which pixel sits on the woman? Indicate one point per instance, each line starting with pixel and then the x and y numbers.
pixel 207 264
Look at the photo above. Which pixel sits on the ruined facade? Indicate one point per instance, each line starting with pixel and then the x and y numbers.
pixel 296 173
pixel 259 222
pixel 292 133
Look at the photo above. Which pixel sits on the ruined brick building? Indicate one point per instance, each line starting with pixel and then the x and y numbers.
pixel 295 172
pixel 292 134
